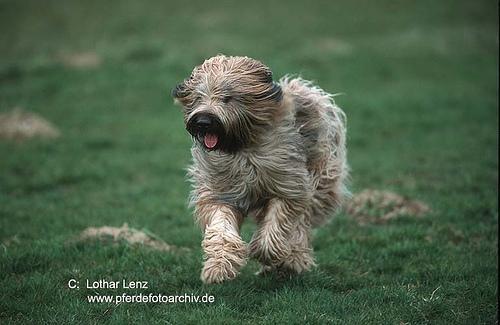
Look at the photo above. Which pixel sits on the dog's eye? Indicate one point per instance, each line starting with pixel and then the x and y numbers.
pixel 226 99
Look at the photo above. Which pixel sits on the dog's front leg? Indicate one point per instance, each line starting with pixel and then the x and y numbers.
pixel 271 243
pixel 225 251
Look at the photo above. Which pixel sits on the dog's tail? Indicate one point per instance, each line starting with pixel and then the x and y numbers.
pixel 322 125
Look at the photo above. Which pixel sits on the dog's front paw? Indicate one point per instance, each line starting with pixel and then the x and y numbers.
pixel 225 254
pixel 269 250
pixel 299 261
pixel 217 271
pixel 224 266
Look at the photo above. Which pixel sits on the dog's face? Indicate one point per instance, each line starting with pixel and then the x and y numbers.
pixel 226 99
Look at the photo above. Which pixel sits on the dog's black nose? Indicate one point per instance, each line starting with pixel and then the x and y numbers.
pixel 203 121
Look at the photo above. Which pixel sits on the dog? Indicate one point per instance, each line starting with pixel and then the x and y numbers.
pixel 275 151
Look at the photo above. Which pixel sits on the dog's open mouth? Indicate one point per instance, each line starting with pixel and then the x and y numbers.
pixel 210 140
pixel 207 129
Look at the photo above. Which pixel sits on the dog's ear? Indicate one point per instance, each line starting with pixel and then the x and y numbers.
pixel 179 91
pixel 273 92
pixel 261 71
pixel 267 75
pixel 268 89
pixel 183 91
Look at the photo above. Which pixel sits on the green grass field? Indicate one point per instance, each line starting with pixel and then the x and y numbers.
pixel 419 83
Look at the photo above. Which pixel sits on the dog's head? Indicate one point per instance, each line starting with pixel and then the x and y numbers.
pixel 226 99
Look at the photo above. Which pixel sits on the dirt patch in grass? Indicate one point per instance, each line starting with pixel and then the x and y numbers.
pixel 81 60
pixel 378 207
pixel 21 125
pixel 125 234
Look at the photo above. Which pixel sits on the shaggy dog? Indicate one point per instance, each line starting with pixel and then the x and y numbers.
pixel 271 150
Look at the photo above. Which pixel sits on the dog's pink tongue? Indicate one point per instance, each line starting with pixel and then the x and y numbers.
pixel 210 140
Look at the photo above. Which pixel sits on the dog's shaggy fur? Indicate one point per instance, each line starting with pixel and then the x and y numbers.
pixel 274 151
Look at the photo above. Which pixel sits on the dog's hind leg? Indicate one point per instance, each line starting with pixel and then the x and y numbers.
pixel 225 251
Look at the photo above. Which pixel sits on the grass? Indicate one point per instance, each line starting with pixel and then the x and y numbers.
pixel 420 85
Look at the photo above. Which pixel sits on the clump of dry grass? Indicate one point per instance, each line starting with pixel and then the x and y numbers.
pixel 21 125
pixel 375 206
pixel 126 234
